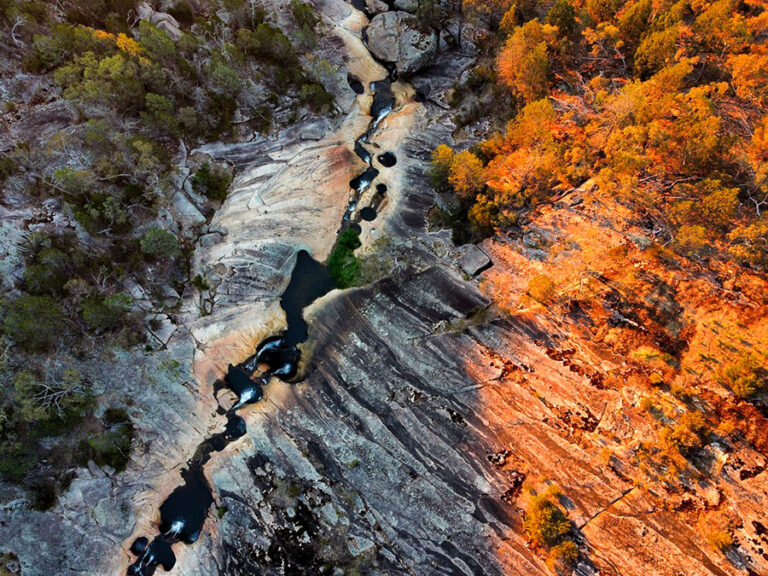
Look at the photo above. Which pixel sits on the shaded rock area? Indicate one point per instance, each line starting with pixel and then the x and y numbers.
pixel 399 38
pixel 374 459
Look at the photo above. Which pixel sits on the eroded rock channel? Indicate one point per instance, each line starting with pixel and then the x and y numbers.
pixel 183 513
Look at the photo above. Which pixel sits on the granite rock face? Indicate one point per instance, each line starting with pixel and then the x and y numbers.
pixel 378 460
pixel 397 37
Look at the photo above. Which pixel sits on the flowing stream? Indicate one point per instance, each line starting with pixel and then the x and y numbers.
pixel 184 512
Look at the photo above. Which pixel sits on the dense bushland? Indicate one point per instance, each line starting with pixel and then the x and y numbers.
pixel 663 104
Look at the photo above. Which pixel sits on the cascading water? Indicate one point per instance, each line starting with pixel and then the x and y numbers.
pixel 184 512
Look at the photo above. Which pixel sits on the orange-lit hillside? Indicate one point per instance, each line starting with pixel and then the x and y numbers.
pixel 624 399
pixel 623 203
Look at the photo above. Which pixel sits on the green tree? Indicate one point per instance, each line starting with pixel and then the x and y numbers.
pixel 442 159
pixel 721 27
pixel 158 114
pixel 750 77
pixel 466 175
pixel 343 265
pixel 213 181
pixel 562 15
pixel 656 50
pixel 687 435
pixel 634 21
pixel 48 273
pixel 545 522
pixel 563 557
pixel 106 313
pixel 602 10
pixel 746 376
pixel 749 244
pixel 75 184
pixel 222 77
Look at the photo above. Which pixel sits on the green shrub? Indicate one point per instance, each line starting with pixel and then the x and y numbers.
pixel 316 97
pixel 35 322
pixel 442 159
pixel 747 376
pixel 75 184
pixel 307 21
pixel 222 77
pixel 7 168
pixel 563 557
pixel 160 244
pixel 267 43
pixel 343 265
pixel 720 539
pixel 656 50
pixel 48 273
pixel 183 12
pixel 602 10
pixel 687 436
pixel 304 15
pixel 15 460
pixel 563 16
pixel 106 313
pixel 112 446
pixel 213 181
pixel 159 114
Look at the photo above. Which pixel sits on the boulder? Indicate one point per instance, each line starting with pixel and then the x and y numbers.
pixel 407 5
pixel 474 260
pixel 398 37
pixel 187 213
pixel 162 20
pixel 375 6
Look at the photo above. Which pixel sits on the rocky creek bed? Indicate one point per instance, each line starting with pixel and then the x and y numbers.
pixel 184 512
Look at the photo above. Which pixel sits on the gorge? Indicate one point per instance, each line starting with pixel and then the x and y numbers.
pixel 401 287
pixel 184 512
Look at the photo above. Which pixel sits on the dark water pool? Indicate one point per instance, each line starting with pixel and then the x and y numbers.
pixel 184 512
pixel 355 84
pixel 388 159
pixel 361 151
pixel 383 100
pixel 361 182
pixel 368 214
pixel 310 280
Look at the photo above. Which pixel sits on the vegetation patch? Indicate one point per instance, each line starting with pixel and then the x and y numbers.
pixel 548 526
pixel 212 181
pixel 343 265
